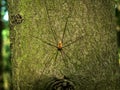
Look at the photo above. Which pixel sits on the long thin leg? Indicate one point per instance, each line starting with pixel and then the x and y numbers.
pixel 37 24
pixel 47 64
pixel 68 58
pixel 70 12
pixel 53 32
pixel 65 29
pixel 55 57
pixel 64 59
pixel 49 38
pixel 46 42
pixel 68 44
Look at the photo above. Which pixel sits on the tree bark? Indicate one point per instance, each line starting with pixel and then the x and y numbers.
pixel 65 44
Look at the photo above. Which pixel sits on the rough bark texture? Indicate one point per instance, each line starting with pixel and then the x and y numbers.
pixel 88 59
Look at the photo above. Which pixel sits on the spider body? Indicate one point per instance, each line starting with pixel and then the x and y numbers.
pixel 59 47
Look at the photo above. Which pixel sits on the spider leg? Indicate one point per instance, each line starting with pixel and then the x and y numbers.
pixel 54 62
pixel 47 64
pixel 70 12
pixel 65 29
pixel 64 60
pixel 56 56
pixel 53 32
pixel 46 42
pixel 68 58
pixel 78 38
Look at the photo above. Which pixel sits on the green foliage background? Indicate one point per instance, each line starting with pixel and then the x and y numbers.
pixel 6 65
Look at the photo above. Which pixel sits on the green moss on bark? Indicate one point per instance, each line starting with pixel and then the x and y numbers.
pixel 89 62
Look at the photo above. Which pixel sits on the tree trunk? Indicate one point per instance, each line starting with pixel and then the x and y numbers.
pixel 63 45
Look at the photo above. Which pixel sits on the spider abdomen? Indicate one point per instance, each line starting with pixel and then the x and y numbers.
pixel 59 45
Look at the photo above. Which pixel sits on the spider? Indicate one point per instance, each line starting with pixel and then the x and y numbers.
pixel 60 45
